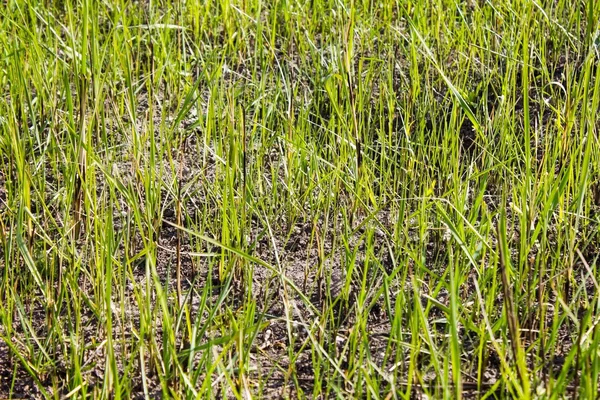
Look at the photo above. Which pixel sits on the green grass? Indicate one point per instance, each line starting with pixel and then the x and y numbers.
pixel 324 199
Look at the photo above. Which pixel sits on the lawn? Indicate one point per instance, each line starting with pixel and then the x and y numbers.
pixel 300 199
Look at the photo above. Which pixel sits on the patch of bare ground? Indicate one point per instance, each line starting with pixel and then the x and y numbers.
pixel 15 382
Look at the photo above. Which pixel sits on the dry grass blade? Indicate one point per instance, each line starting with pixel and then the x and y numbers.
pixel 510 309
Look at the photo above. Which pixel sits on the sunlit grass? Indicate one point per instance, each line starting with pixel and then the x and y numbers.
pixel 277 199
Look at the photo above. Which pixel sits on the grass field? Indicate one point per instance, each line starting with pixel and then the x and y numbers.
pixel 299 199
